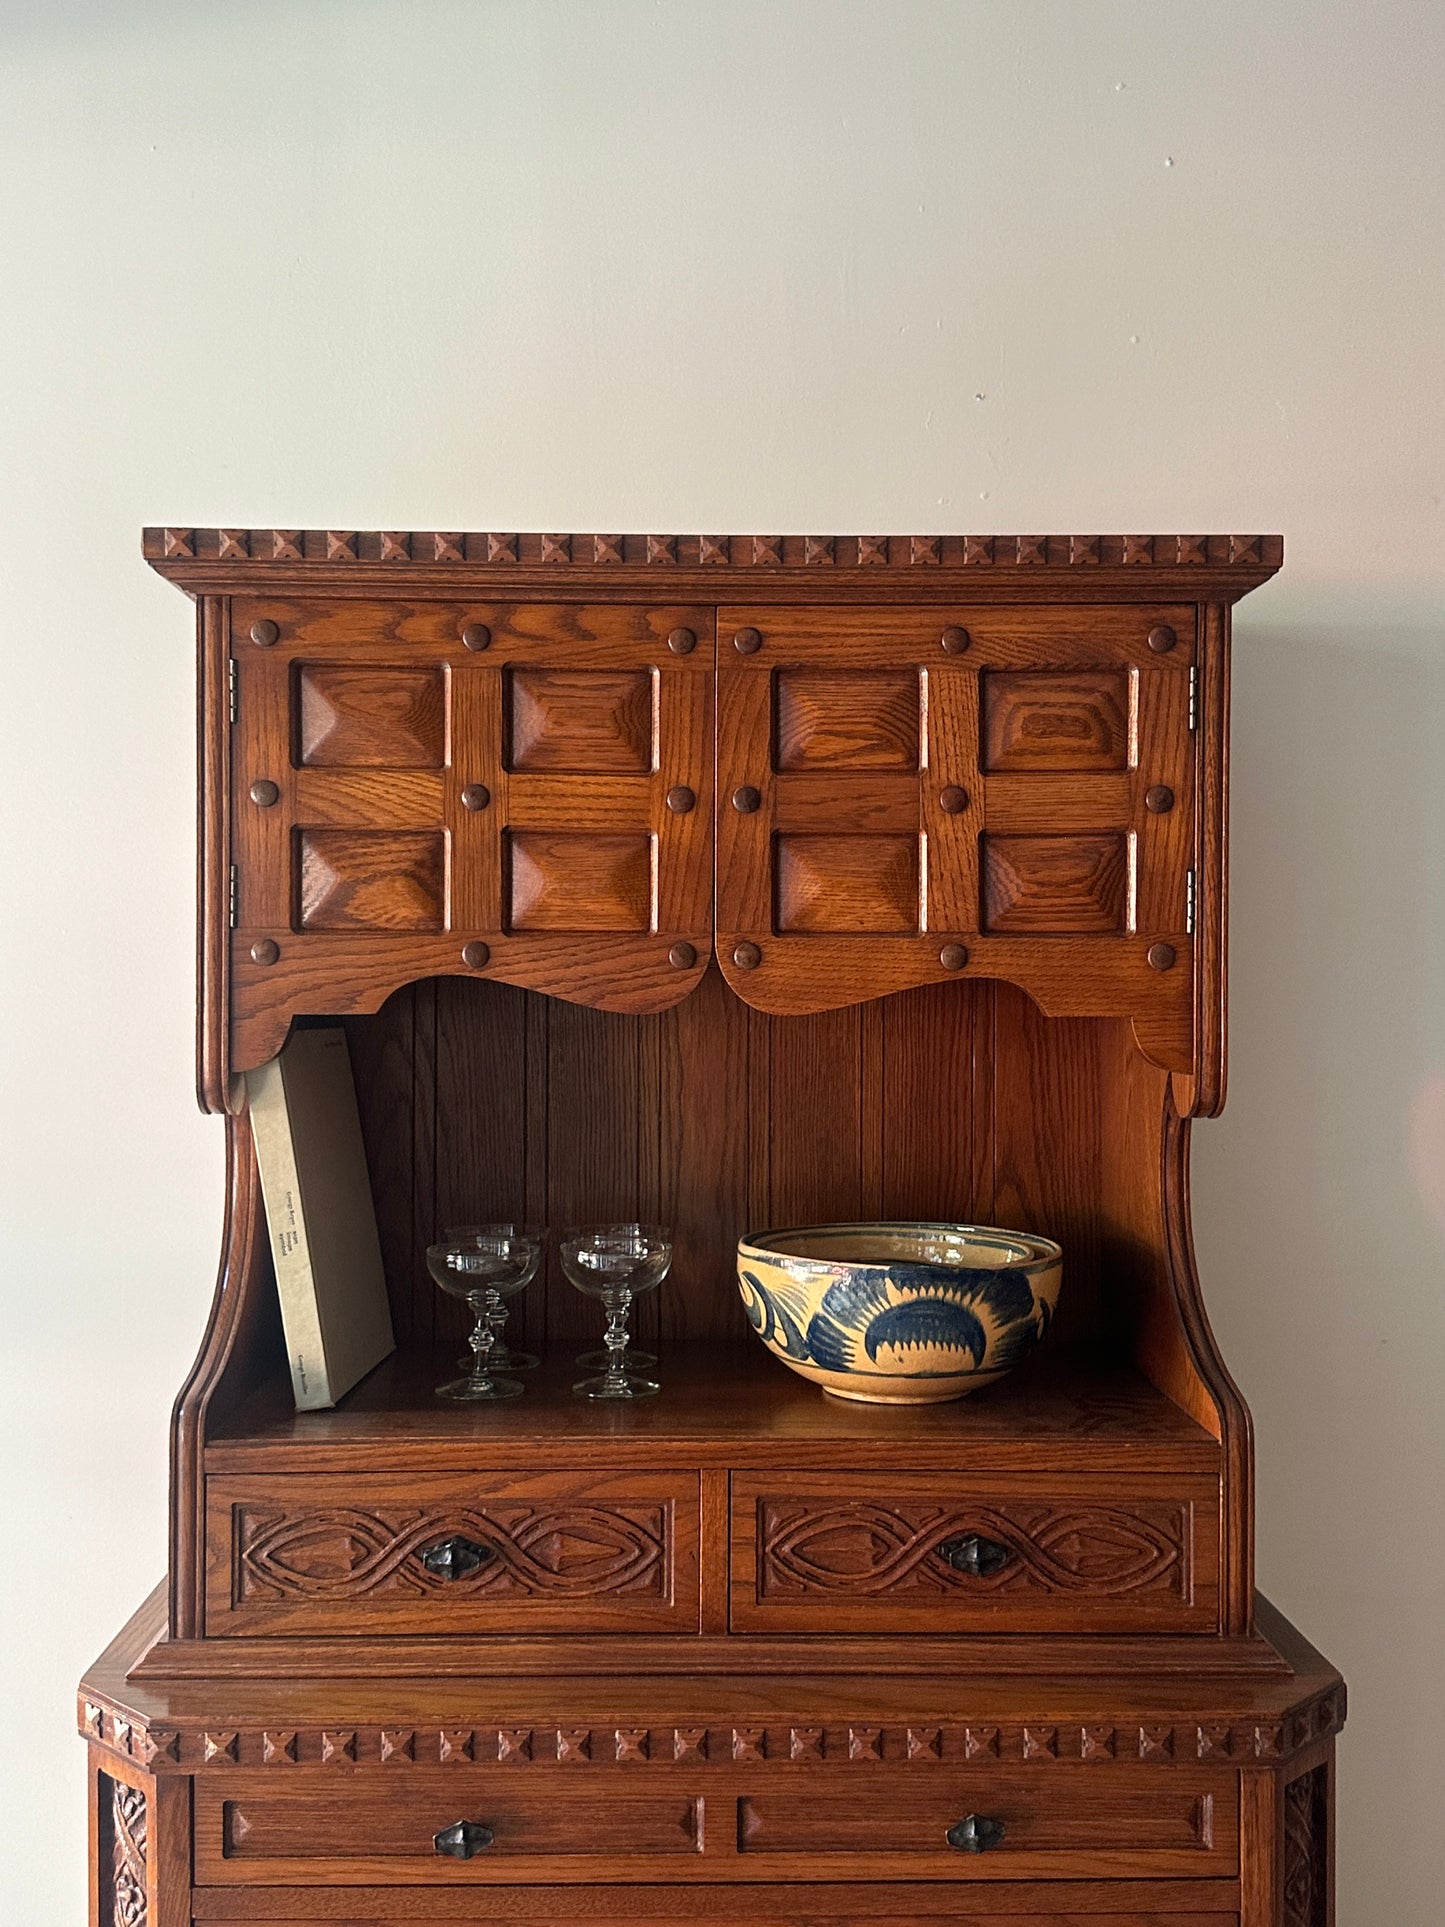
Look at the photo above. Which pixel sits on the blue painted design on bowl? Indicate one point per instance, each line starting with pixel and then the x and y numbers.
pixel 899 1313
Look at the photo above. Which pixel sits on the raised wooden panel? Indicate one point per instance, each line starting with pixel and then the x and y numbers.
pixel 846 720
pixel 350 716
pixel 860 1553
pixel 253 1831
pixel 579 883
pixel 581 1551
pixel 1156 1820
pixel 1056 884
pixel 581 721
pixel 382 880
pixel 846 884
pixel 1048 721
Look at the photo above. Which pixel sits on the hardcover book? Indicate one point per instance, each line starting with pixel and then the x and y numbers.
pixel 329 1276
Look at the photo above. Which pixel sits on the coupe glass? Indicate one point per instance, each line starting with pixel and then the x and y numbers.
pixel 484 1263
pixel 617 1263
pixel 502 1358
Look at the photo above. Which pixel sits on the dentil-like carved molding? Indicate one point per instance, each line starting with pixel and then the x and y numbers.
pixel 339 548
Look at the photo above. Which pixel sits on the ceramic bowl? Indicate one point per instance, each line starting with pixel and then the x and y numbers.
pixel 899 1314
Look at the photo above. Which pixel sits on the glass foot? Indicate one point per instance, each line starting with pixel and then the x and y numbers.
pixel 474 1391
pixel 632 1361
pixel 509 1361
pixel 606 1386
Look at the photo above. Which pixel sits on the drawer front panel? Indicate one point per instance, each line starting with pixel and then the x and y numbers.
pixel 453 1552
pixel 538 1824
pixel 358 1828
pixel 934 1552
pixel 1001 1824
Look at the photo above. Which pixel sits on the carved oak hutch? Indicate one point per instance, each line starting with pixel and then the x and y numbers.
pixel 727 881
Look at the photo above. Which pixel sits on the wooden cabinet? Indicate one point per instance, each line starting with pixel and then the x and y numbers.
pixel 726 882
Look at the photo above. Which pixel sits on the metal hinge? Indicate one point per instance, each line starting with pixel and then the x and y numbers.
pixel 235 898
pixel 1189 904
pixel 231 686
pixel 1193 697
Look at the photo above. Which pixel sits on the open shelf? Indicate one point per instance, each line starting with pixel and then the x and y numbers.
pixel 1060 1407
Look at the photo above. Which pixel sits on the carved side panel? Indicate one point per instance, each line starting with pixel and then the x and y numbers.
pixel 1306 1850
pixel 124 1853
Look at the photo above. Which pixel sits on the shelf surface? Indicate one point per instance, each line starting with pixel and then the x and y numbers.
pixel 720 1409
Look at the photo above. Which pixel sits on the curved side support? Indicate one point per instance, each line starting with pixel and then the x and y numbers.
pixel 1235 1426
pixel 235 1325
pixel 214 1085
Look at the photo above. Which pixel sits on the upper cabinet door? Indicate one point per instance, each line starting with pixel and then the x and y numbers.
pixel 913 794
pixel 517 790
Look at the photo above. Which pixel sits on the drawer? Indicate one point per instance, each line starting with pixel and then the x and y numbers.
pixel 1120 1904
pixel 541 1824
pixel 947 1552
pixel 452 1552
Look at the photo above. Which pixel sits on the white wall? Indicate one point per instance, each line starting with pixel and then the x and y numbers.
pixel 751 264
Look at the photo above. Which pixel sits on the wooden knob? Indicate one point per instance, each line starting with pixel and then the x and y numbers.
pixel 1162 956
pixel 952 800
pixel 955 640
pixel 680 799
pixel 476 635
pixel 953 956
pixel 265 950
pixel 476 955
pixel 747 956
pixel 682 642
pixel 264 632
pixel 682 956
pixel 1159 799
pixel 748 642
pixel 264 792
pixel 746 800
pixel 476 796
pixel 1162 639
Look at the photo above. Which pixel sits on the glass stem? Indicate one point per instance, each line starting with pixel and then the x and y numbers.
pixel 481 1340
pixel 619 1304
pixel 497 1320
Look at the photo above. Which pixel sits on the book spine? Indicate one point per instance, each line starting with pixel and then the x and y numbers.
pixel 290 1250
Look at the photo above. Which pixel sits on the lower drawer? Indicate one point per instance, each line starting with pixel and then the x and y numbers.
pixel 957 1552
pixel 452 1552
pixel 671 1824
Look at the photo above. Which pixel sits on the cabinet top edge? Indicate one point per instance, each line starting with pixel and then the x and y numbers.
pixel 715 567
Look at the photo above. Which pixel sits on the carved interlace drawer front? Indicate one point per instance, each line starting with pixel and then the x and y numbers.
pixel 534 1823
pixel 940 1552
pixel 453 1552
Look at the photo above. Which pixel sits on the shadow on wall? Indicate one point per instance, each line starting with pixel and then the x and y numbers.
pixel 1320 1196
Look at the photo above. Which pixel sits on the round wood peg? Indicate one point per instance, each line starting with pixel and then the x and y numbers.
pixel 265 632
pixel 1162 956
pixel 265 950
pixel 953 956
pixel 952 800
pixel 1162 639
pixel 264 792
pixel 476 796
pixel 476 955
pixel 1159 799
pixel 476 635
pixel 680 799
pixel 955 640
pixel 747 799
pixel 747 956
pixel 748 642
pixel 682 642
pixel 682 956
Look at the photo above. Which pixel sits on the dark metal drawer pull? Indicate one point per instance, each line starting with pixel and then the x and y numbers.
pixel 454 1558
pixel 975 1833
pixel 976 1555
pixel 466 1838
